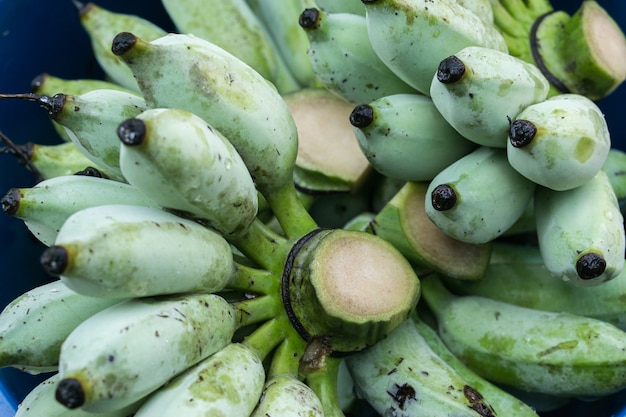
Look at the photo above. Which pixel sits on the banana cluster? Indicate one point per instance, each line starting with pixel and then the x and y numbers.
pixel 306 208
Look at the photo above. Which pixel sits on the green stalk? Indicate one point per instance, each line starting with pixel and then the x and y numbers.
pixel 323 381
pixel 258 281
pixel 287 356
pixel 256 310
pixel 265 339
pixel 262 245
pixel 290 212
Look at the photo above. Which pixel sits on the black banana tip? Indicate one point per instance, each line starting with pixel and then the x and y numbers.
pixel 309 18
pixel 123 42
pixel 55 260
pixel 362 116
pixel 450 70
pixel 590 265
pixel 90 172
pixel 11 201
pixel 70 393
pixel 443 197
pixel 521 133
pixel 132 132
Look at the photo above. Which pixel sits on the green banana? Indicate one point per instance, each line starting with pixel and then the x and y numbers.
pixel 281 21
pixel 478 90
pixel 101 252
pixel 233 26
pixel 33 325
pixel 227 383
pixel 401 375
pixel 231 97
pixel 41 401
pixel 517 274
pixel 91 120
pixel 120 355
pixel 404 137
pixel 101 26
pixel 412 36
pixel 285 395
pixel 48 161
pixel 329 158
pixel 581 232
pixel 182 163
pixel 478 197
pixel 343 59
pixel 559 143
pixel 503 403
pixel 49 85
pixel 341 6
pixel 481 8
pixel 404 223
pixel 547 352
pixel 46 206
pixel 615 168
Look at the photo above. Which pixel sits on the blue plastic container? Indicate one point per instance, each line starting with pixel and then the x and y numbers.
pixel 39 36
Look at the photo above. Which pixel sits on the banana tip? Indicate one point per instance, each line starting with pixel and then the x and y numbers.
pixel 123 42
pixel 55 260
pixel 70 393
pixel 11 201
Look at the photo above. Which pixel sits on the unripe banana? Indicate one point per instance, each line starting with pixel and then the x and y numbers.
pixel 401 375
pixel 122 354
pixel 48 161
pixel 503 403
pixel 34 325
pixel 533 350
pixel 41 402
pixel 478 197
pixel 615 168
pixel 227 383
pixel 285 395
pixel 134 251
pixel 481 8
pixel 412 36
pixel 102 25
pixel 404 223
pixel 182 163
pixel 46 206
pixel 517 274
pixel 560 143
pixel 581 231
pixel 233 26
pixel 281 21
pixel 404 137
pixel 479 90
pixel 189 73
pixel 343 59
pixel 341 6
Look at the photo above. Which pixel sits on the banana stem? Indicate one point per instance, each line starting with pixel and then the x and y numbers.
pixel 253 280
pixel 290 212
pixel 262 245
pixel 287 356
pixel 22 153
pixel 256 310
pixel 323 381
pixel 265 339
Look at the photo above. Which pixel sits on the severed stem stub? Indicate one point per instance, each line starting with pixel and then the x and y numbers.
pixel 521 133
pixel 347 288
pixel 450 70
pixel 590 265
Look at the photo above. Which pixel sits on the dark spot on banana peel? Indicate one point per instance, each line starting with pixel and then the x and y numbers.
pixel 521 133
pixel 11 201
pixel 443 197
pixel 55 259
pixel 362 116
pixel 90 172
pixel 70 393
pixel 132 132
pixel 123 42
pixel 401 394
pixel 309 18
pixel 590 265
pixel 450 70
pixel 477 402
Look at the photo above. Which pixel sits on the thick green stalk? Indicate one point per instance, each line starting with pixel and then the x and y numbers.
pixel 263 246
pixel 323 381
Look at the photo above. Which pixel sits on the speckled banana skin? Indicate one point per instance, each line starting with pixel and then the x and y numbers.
pixel 132 251
pixel 285 395
pixel 228 383
pixel 127 351
pixel 34 325
pixel 413 36
pixel 401 375
pixel 46 206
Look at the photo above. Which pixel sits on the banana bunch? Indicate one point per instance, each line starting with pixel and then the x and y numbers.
pixel 237 217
